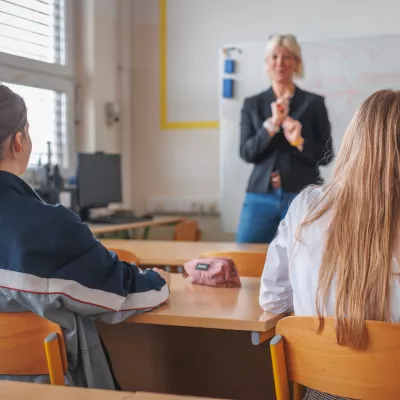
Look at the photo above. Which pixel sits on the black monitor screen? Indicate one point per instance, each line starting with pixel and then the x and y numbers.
pixel 99 179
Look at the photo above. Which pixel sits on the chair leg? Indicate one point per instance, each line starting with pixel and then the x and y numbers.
pixel 298 391
pixel 54 360
pixel 279 368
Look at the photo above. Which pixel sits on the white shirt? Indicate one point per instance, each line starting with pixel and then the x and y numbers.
pixel 290 277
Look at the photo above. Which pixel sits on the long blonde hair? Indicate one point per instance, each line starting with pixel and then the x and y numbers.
pixel 364 198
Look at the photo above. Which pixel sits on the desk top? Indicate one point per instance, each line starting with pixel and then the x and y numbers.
pixel 209 307
pixel 152 396
pixel 107 228
pixel 34 391
pixel 174 253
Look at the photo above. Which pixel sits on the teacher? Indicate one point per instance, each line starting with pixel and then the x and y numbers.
pixel 286 134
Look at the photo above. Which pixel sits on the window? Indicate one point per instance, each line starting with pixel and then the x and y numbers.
pixel 36 62
pixel 33 29
pixel 43 130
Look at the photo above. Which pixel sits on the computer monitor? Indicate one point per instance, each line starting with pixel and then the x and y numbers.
pixel 99 181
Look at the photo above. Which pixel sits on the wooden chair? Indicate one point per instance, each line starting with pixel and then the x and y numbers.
pixel 187 231
pixel 127 256
pixel 314 360
pixel 249 263
pixel 22 351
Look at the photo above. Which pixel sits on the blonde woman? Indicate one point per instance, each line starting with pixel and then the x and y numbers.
pixel 337 253
pixel 286 134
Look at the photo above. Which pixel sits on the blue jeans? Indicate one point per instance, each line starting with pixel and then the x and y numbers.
pixel 261 215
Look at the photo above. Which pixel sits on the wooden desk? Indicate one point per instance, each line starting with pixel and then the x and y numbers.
pixel 32 391
pixel 152 396
pixel 197 344
pixel 98 229
pixel 174 253
pixel 214 308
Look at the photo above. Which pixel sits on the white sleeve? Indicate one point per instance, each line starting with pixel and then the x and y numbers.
pixel 275 291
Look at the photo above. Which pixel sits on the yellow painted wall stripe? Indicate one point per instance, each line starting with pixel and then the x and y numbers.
pixel 164 124
pixel 163 64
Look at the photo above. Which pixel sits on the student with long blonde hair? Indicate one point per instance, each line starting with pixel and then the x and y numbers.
pixel 337 251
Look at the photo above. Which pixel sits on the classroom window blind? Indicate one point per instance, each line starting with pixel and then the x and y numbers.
pixel 33 29
pixel 52 128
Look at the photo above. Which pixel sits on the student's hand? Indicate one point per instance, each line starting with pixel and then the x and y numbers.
pixel 292 131
pixel 165 275
pixel 280 110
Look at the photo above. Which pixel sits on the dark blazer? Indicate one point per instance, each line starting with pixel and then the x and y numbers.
pixel 297 168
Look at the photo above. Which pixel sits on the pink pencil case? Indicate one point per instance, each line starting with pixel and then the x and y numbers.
pixel 215 271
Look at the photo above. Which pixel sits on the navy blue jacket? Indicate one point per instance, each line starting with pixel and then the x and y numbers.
pixel 51 264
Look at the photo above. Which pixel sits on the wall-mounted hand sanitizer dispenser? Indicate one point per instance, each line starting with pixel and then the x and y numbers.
pixel 113 113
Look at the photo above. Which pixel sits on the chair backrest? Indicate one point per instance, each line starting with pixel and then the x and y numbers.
pixel 187 231
pixel 127 256
pixel 32 345
pixel 248 263
pixel 316 361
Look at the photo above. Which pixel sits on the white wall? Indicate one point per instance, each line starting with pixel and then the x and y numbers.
pixel 97 62
pixel 103 61
pixel 171 165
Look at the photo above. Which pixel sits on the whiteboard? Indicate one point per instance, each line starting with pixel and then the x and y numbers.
pixel 344 71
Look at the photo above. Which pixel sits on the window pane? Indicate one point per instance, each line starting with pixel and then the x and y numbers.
pixel 33 29
pixel 47 123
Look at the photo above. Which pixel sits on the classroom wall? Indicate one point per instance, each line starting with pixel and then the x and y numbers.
pixel 103 58
pixel 179 169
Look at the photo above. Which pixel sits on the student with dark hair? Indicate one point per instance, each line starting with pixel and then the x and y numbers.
pixel 51 264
